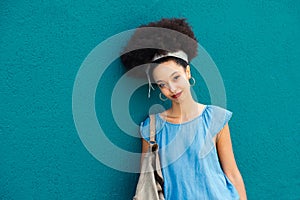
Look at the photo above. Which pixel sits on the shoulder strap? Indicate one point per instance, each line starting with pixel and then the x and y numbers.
pixel 152 128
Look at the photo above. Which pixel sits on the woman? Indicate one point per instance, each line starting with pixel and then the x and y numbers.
pixel 194 139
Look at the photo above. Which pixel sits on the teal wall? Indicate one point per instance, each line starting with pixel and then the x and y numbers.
pixel 255 45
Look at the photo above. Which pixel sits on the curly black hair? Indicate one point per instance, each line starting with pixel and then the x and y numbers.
pixel 161 37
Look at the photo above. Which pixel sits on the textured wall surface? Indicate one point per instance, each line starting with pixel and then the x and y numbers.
pixel 255 45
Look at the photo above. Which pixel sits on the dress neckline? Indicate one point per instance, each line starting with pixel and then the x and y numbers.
pixel 158 114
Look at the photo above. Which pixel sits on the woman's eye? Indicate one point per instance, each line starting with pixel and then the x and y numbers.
pixel 176 77
pixel 161 85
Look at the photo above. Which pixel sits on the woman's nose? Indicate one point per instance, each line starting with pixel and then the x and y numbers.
pixel 172 87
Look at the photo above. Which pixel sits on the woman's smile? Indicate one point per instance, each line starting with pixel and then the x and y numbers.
pixel 177 95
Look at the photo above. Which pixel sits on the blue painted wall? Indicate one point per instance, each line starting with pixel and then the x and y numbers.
pixel 255 45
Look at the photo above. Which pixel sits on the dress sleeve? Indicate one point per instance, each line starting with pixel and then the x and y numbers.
pixel 218 119
pixel 145 129
pixel 215 119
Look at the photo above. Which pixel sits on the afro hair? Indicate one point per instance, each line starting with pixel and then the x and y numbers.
pixel 161 37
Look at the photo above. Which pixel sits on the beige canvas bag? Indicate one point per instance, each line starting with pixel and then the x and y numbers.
pixel 150 183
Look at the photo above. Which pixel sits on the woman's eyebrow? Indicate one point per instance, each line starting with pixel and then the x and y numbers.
pixel 169 76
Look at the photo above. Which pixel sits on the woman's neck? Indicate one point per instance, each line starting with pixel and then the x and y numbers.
pixel 185 110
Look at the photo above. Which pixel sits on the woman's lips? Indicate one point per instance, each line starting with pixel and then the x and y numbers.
pixel 175 96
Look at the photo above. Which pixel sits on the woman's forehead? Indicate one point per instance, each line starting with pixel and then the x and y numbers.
pixel 166 69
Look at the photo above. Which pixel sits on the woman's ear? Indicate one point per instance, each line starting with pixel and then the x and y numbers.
pixel 188 71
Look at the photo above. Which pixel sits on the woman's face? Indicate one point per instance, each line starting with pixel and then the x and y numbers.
pixel 172 79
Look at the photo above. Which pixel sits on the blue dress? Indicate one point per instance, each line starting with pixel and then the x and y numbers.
pixel 189 159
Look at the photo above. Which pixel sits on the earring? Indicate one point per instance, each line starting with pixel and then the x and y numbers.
pixel 161 98
pixel 194 81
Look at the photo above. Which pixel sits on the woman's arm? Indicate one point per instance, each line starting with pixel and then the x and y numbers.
pixel 227 161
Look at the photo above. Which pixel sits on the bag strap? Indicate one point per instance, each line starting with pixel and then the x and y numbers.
pixel 154 147
pixel 152 128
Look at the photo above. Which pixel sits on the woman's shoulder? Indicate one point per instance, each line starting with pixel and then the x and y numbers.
pixel 217 110
pixel 145 126
pixel 216 117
